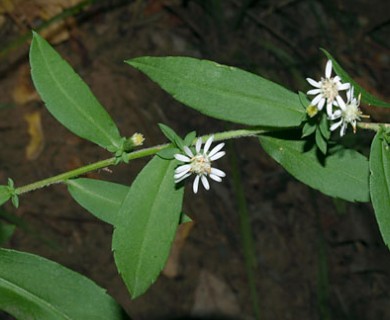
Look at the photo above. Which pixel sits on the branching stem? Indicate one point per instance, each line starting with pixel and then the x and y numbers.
pixel 372 126
pixel 234 134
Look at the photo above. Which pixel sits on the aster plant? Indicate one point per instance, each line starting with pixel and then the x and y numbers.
pixel 295 129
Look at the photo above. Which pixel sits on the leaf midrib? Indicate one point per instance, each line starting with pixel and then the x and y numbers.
pixel 142 248
pixel 306 161
pixel 385 172
pixel 70 99
pixel 37 300
pixel 96 195
pixel 204 87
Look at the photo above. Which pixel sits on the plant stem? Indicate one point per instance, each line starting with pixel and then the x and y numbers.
pixel 85 169
pixel 131 156
pixel 372 126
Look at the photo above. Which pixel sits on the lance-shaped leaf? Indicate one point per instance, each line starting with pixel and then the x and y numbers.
pixel 5 194
pixel 68 98
pixel 366 96
pixel 343 173
pixel 102 198
pixel 32 287
pixel 380 184
pixel 146 225
pixel 223 92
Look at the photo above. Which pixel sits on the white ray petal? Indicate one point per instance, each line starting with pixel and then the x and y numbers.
pixel 328 69
pixel 343 129
pixel 205 182
pixel 185 167
pixel 198 145
pixel 208 144
pixel 321 104
pixel 316 99
pixel 216 149
pixel 335 125
pixel 341 103
pixel 329 110
pixel 335 115
pixel 183 177
pixel 215 178
pixel 180 174
pixel 188 151
pixel 314 83
pixel 314 91
pixel 350 94
pixel 343 86
pixel 218 155
pixel 218 172
pixel 182 157
pixel 195 185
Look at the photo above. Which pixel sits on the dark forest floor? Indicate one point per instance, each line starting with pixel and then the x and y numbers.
pixel 304 241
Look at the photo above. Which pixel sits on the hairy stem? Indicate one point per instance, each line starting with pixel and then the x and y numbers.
pixel 131 156
pixel 372 126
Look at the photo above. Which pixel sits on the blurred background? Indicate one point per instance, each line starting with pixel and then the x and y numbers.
pixel 312 257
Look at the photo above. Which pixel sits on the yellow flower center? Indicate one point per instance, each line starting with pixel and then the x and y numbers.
pixel 200 164
pixel 311 111
pixel 329 89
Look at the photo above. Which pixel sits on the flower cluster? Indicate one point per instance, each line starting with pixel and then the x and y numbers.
pixel 327 92
pixel 200 164
pixel 342 109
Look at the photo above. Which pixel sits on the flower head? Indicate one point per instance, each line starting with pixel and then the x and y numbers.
pixel 327 90
pixel 349 113
pixel 200 164
pixel 137 139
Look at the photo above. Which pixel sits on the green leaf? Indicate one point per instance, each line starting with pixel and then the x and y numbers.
pixel 366 96
pixel 308 129
pixel 324 127
pixel 146 225
pixel 343 173
pixel 6 232
pixel 171 135
pixel 321 142
pixel 189 138
pixel 304 101
pixel 223 92
pixel 102 198
pixel 168 153
pixel 184 218
pixel 32 287
pixel 380 184
pixel 168 132
pixel 68 98
pixel 5 194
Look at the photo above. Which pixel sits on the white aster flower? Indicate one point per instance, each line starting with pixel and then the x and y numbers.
pixel 349 113
pixel 200 164
pixel 327 90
